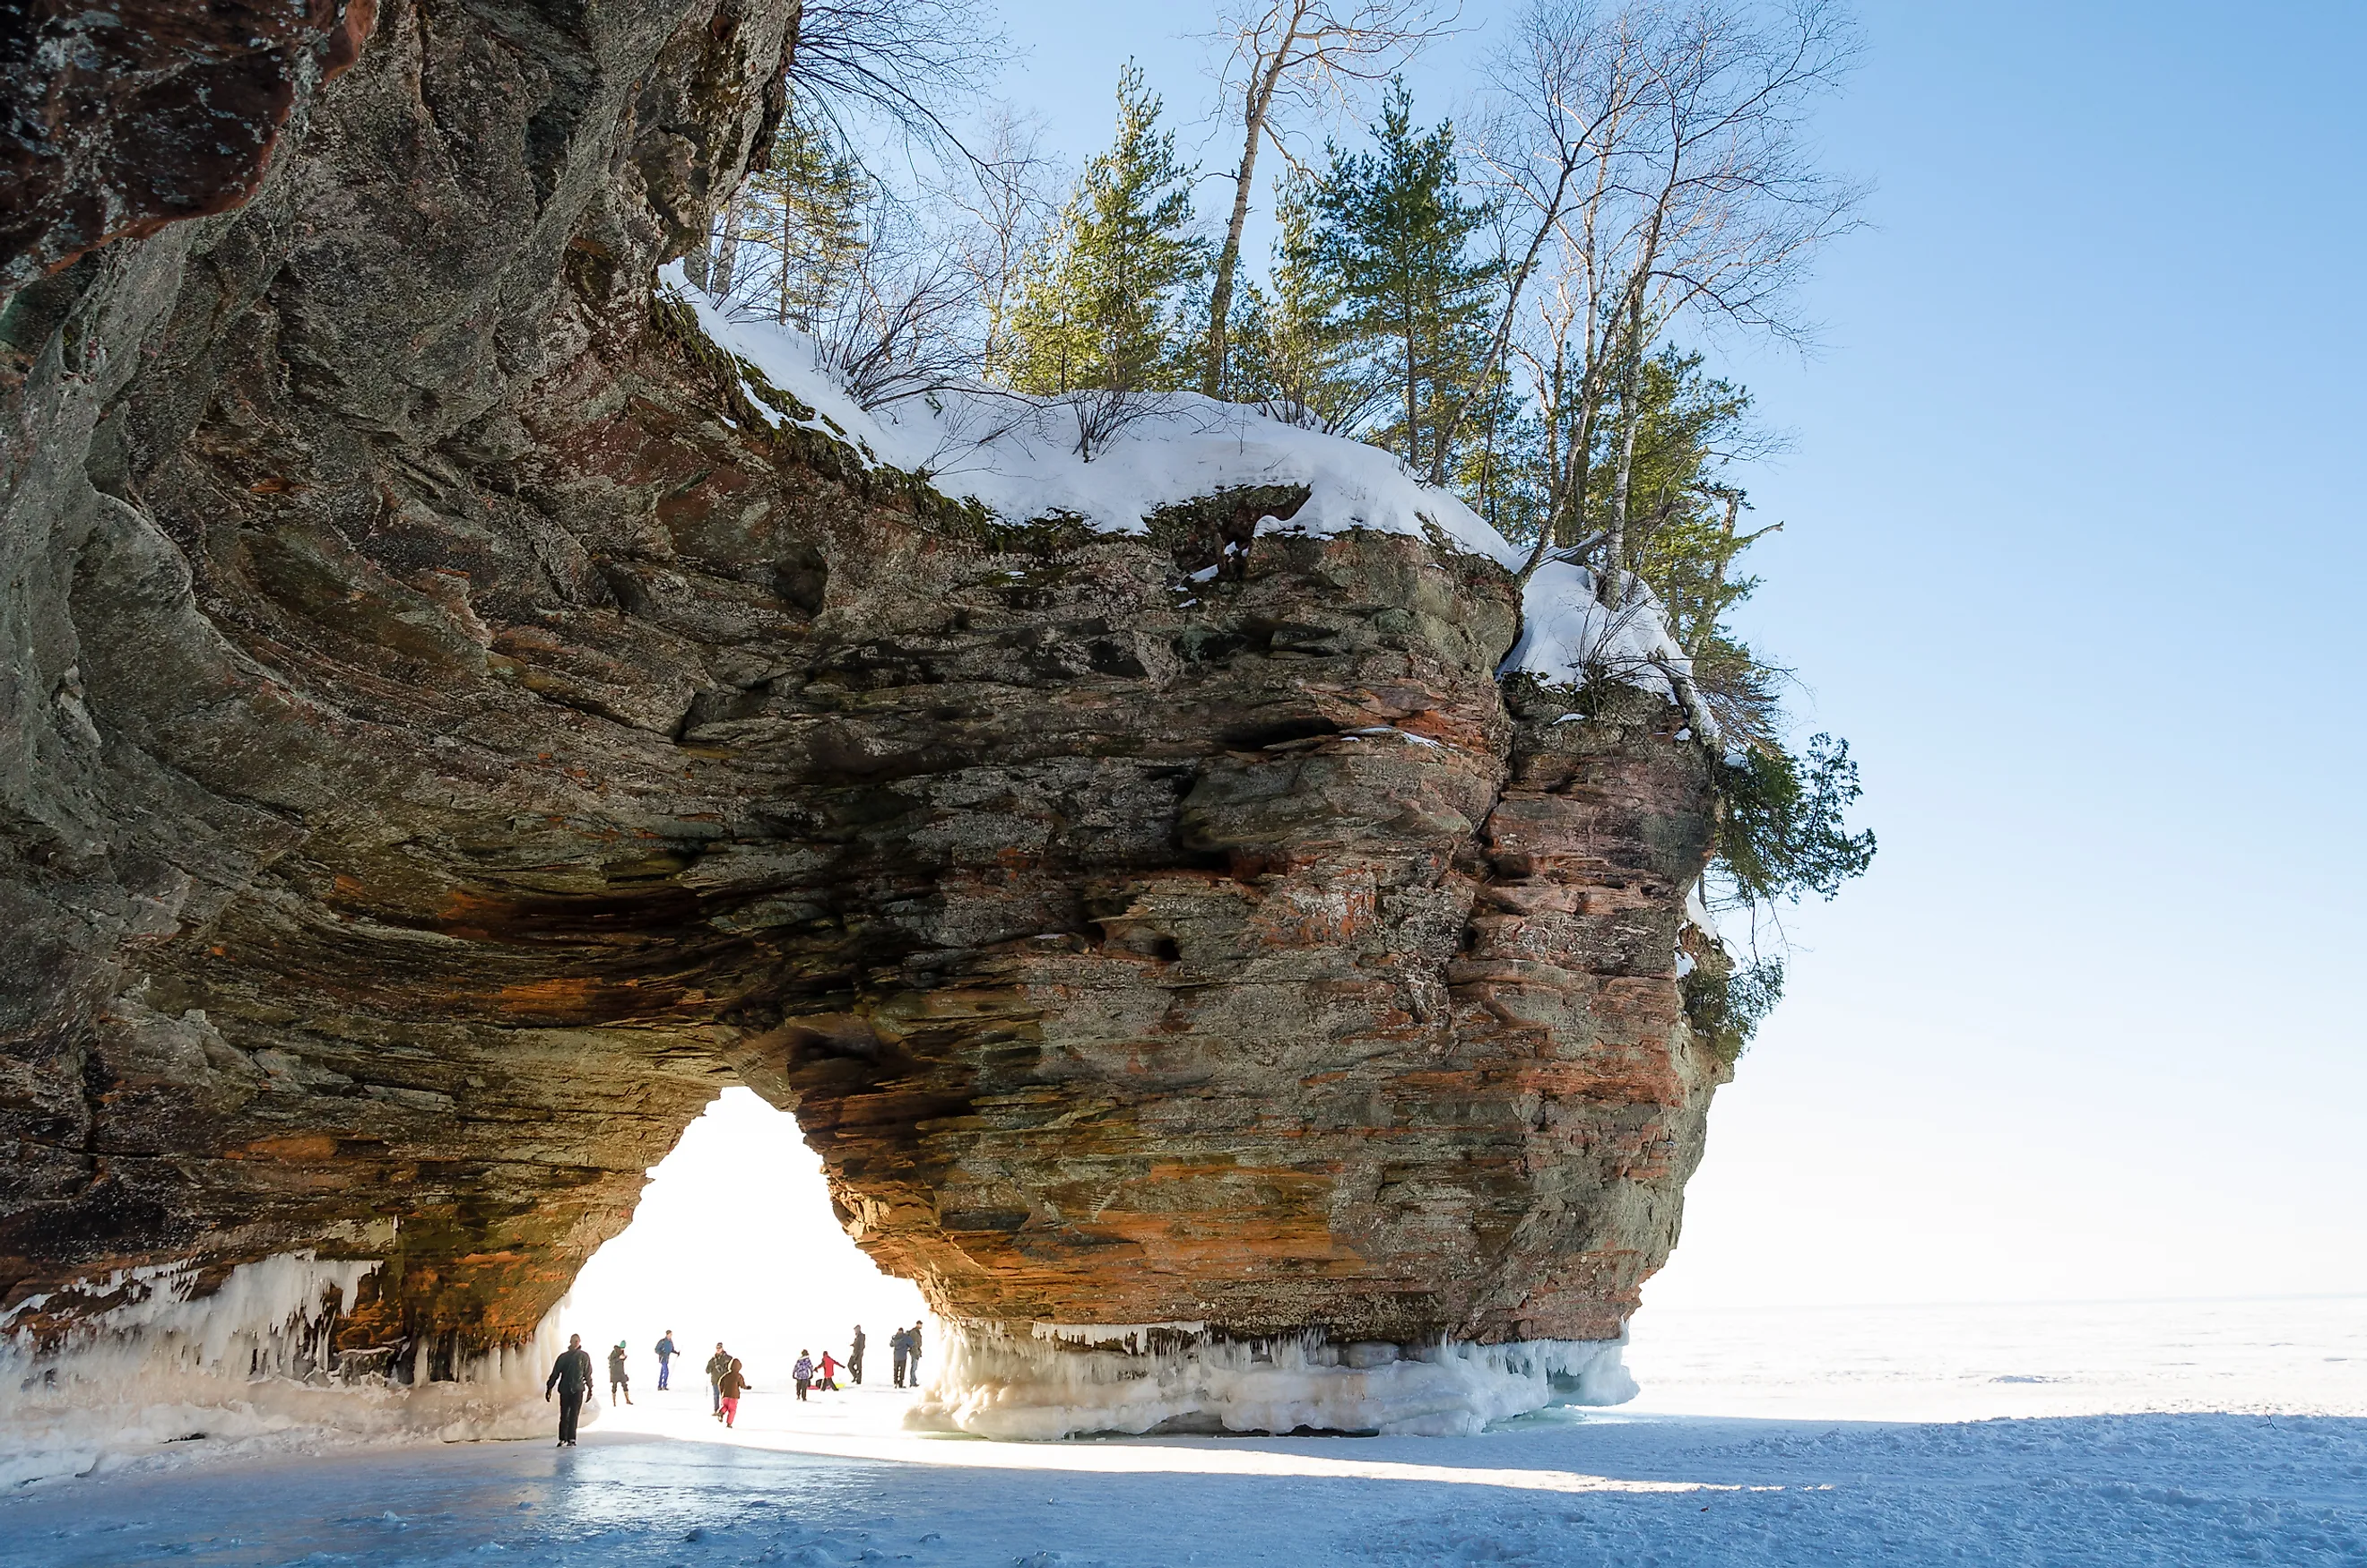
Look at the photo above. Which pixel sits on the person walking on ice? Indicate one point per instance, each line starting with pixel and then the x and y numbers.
pixel 729 1387
pixel 855 1357
pixel 803 1372
pixel 828 1382
pixel 618 1383
pixel 666 1353
pixel 717 1365
pixel 572 1376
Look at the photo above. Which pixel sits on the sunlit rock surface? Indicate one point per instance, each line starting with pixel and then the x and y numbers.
pixel 450 735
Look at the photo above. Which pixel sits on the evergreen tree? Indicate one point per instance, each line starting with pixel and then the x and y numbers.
pixel 1684 537
pixel 805 209
pixel 1100 308
pixel 1688 423
pixel 1396 233
pixel 1293 348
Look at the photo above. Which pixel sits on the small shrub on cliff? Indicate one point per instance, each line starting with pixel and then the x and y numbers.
pixel 1724 1006
pixel 1783 834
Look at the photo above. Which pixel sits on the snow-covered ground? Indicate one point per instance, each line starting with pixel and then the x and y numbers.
pixel 1739 1452
pixel 2294 1356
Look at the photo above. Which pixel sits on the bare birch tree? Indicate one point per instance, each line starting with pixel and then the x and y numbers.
pixel 1007 204
pixel 1658 153
pixel 1291 61
pixel 727 240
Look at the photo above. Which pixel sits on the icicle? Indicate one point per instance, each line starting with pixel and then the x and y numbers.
pixel 1064 1380
pixel 249 1364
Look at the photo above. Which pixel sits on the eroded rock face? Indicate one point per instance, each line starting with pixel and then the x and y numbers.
pixel 449 737
pixel 121 119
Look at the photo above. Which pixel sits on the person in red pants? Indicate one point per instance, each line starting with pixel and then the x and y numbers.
pixel 732 1384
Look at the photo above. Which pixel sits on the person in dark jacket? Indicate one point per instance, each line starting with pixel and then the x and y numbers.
pixel 666 1353
pixel 900 1344
pixel 618 1383
pixel 729 1387
pixel 717 1365
pixel 855 1356
pixel 572 1376
pixel 913 1350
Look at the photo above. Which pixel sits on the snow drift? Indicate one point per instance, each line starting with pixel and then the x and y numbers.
pixel 245 1365
pixel 1064 1381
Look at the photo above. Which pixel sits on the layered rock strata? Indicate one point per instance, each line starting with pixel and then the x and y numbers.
pixel 450 735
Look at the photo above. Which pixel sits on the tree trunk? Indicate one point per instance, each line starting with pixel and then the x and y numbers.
pixel 781 312
pixel 1257 100
pixel 727 252
pixel 1612 590
pixel 1229 261
pixel 1412 396
pixel 1613 587
pixel 1499 342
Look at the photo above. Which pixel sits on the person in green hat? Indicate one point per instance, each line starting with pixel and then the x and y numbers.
pixel 619 1385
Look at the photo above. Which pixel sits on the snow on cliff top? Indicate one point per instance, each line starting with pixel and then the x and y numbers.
pixel 1567 634
pixel 1017 456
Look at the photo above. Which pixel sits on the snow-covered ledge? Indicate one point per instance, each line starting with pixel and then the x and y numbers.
pixel 1065 1380
pixel 1017 456
pixel 239 1369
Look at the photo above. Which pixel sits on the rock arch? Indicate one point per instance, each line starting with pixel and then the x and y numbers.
pixel 453 737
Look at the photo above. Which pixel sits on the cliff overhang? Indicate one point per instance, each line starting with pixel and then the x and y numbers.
pixel 455 726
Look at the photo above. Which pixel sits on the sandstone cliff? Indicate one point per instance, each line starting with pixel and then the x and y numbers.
pixel 451 731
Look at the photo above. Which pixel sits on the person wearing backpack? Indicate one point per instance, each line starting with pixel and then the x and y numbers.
pixel 803 1372
pixel 666 1353
pixel 617 1382
pixel 900 1343
pixel 717 1365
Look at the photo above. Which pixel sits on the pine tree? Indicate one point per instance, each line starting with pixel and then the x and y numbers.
pixel 1680 515
pixel 1293 348
pixel 1396 233
pixel 1101 308
pixel 1683 533
pixel 806 208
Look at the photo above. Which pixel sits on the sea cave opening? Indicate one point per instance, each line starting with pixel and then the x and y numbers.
pixel 734 1241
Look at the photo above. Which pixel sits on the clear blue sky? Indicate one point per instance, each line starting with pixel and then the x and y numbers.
pixel 2073 557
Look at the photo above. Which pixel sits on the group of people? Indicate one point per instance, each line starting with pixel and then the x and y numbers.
pixel 811 1376
pixel 727 1381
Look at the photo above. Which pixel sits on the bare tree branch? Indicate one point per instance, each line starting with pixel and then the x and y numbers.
pixel 917 64
pixel 1659 152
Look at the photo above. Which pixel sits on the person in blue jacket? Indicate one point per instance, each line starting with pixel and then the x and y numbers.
pixel 666 1353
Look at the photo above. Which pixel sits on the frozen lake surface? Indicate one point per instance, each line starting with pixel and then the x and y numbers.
pixel 2006 1436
